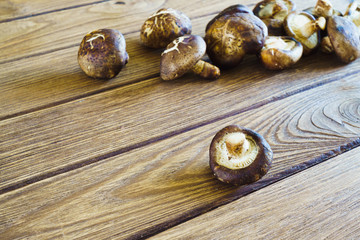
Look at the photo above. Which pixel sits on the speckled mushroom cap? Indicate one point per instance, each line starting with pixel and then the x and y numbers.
pixel 234 32
pixel 102 53
pixel 163 27
pixel 252 165
pixel 180 56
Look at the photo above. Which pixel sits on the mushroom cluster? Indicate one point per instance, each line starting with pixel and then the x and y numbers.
pixel 318 27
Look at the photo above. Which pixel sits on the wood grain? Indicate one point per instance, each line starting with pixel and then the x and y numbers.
pixel 322 202
pixel 11 10
pixel 53 138
pixel 151 188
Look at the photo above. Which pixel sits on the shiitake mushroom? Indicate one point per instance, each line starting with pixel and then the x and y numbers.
pixel 239 155
pixel 232 34
pixel 163 27
pixel 184 54
pixel 102 53
pixel 305 28
pixel 280 52
pixel 344 37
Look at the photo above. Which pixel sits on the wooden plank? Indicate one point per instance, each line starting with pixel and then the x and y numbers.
pixel 59 30
pixel 11 10
pixel 91 128
pixel 322 202
pixel 156 186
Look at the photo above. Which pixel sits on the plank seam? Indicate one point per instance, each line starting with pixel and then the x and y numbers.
pixel 90 161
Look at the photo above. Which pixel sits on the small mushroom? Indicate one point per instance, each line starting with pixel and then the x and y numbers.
pixel 280 52
pixel 102 53
pixel 163 27
pixel 305 28
pixel 273 13
pixel 344 37
pixel 234 32
pixel 184 54
pixel 239 155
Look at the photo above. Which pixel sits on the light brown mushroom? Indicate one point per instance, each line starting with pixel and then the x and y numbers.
pixel 305 28
pixel 280 52
pixel 234 32
pixel 163 27
pixel 102 53
pixel 239 155
pixel 184 54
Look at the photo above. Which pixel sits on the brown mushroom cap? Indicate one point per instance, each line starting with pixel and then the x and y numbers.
pixel 234 33
pixel 102 53
pixel 239 165
pixel 344 37
pixel 297 23
pixel 280 52
pixel 181 55
pixel 163 27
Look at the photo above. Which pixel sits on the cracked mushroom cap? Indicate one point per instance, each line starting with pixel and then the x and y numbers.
pixel 236 31
pixel 163 27
pixel 180 56
pixel 344 37
pixel 280 52
pixel 239 155
pixel 102 53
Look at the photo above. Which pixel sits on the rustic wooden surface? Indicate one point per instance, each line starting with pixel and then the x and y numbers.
pixel 128 158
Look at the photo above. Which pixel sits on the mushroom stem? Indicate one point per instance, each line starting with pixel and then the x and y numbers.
pixel 206 70
pixel 311 27
pixel 237 144
pixel 326 46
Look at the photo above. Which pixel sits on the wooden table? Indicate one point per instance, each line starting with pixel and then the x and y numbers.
pixel 128 157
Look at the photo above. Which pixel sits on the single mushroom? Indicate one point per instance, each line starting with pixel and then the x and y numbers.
pixel 273 13
pixel 305 28
pixel 102 53
pixel 184 54
pixel 163 27
pixel 280 52
pixel 234 32
pixel 344 37
pixel 239 155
